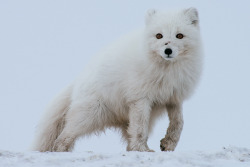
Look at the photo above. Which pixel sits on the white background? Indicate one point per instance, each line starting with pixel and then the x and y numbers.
pixel 44 45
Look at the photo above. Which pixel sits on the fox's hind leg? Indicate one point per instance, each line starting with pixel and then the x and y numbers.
pixel 125 135
pixel 80 121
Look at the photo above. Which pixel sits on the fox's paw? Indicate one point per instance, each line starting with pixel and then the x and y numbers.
pixel 167 145
pixel 63 145
pixel 59 147
pixel 140 148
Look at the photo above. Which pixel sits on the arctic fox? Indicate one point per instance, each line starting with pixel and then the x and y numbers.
pixel 129 85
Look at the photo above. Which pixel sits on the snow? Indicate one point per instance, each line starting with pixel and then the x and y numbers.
pixel 44 45
pixel 226 157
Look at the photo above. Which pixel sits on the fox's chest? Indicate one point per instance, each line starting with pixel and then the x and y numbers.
pixel 179 84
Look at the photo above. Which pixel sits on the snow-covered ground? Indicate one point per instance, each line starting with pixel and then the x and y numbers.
pixel 226 157
pixel 44 45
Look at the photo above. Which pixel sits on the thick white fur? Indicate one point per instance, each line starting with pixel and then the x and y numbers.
pixel 129 85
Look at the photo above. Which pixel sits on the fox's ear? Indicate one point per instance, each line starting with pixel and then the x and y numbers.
pixel 149 15
pixel 193 16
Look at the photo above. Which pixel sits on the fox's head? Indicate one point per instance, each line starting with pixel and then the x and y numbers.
pixel 172 35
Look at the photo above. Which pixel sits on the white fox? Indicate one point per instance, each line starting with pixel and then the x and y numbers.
pixel 129 85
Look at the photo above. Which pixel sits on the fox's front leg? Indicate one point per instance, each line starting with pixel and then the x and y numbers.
pixel 169 142
pixel 139 116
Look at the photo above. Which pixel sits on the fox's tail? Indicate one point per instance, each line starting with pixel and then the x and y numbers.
pixel 53 122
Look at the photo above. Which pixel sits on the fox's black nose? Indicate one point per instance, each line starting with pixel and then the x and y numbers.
pixel 168 51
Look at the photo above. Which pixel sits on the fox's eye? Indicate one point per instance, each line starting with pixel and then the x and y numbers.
pixel 179 36
pixel 159 36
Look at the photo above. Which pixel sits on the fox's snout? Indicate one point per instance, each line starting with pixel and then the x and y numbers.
pixel 168 52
